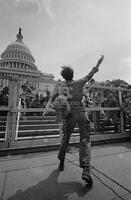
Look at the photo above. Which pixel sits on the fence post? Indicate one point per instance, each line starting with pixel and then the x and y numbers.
pixel 94 112
pixel 121 113
pixel 12 114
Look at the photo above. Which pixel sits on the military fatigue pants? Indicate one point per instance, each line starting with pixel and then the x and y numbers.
pixel 72 118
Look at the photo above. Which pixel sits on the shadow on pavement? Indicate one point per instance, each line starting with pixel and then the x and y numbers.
pixel 51 189
pixel 126 145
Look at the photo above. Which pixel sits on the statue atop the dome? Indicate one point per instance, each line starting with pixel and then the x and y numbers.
pixel 20 30
pixel 19 36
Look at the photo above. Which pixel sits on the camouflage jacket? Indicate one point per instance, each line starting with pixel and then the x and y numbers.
pixel 75 90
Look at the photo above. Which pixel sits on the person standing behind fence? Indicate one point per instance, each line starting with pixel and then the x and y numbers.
pixel 76 115
pixel 126 107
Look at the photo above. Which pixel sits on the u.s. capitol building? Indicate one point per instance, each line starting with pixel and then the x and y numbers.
pixel 17 61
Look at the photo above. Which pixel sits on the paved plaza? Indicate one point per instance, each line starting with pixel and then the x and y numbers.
pixel 36 176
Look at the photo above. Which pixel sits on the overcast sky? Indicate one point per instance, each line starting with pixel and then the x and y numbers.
pixel 72 32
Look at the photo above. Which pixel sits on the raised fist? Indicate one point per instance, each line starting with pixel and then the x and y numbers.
pixel 100 61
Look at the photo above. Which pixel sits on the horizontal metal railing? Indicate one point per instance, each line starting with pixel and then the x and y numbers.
pixel 18 127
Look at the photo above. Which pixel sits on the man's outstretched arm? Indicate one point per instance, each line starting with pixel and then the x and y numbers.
pixel 94 70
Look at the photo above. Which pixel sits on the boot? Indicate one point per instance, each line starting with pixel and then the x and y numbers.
pixel 86 176
pixel 61 166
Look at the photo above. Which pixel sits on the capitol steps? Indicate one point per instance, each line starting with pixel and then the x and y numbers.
pixel 44 126
pixel 33 127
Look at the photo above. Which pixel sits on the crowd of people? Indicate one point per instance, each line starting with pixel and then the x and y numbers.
pixel 106 97
pixel 28 99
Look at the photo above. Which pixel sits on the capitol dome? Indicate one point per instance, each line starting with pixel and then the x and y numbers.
pixel 18 46
pixel 17 61
pixel 18 50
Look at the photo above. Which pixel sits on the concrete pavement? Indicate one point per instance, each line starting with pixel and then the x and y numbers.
pixel 36 177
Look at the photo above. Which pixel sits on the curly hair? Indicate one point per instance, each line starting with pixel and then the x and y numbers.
pixel 67 73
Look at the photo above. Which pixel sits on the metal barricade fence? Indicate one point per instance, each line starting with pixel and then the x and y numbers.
pixel 29 126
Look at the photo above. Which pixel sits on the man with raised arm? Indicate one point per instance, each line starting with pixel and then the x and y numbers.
pixel 76 115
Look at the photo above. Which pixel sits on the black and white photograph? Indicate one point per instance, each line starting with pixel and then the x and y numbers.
pixel 65 99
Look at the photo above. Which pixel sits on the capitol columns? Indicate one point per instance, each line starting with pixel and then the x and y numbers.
pixel 13 65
